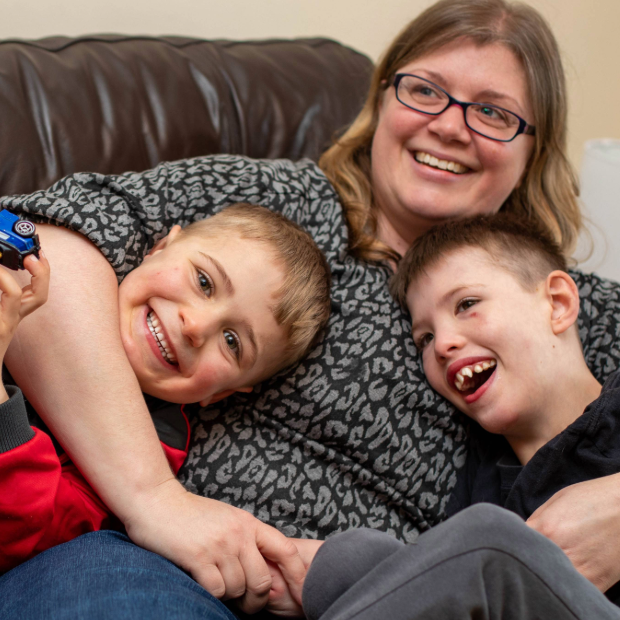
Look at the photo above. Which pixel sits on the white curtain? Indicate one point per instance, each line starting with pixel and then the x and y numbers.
pixel 600 196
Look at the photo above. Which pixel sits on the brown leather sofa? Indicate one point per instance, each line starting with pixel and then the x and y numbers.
pixel 117 103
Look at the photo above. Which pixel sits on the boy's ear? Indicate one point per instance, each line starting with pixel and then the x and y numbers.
pixel 222 395
pixel 164 241
pixel 564 297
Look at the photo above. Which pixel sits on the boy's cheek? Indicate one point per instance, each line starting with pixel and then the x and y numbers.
pixel 437 381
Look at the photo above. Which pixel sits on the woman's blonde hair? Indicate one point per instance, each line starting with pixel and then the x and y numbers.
pixel 547 193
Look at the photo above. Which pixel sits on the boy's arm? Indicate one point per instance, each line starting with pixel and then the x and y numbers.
pixel 69 361
pixel 584 521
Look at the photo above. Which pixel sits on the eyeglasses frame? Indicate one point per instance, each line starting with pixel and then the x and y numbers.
pixel 524 127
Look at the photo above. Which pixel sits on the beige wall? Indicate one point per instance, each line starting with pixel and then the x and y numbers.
pixel 588 32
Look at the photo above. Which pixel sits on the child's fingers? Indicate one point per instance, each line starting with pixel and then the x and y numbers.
pixel 35 294
pixel 10 304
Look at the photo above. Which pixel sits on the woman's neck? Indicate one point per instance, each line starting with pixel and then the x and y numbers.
pixel 388 234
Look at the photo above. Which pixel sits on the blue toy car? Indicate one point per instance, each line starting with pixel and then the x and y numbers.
pixel 18 239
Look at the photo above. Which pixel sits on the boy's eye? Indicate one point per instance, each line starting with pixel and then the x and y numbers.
pixel 232 342
pixel 423 341
pixel 204 282
pixel 465 304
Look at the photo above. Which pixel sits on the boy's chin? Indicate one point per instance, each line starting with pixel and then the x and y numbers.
pixel 161 392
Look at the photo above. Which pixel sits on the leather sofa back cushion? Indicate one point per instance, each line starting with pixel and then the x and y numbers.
pixel 112 104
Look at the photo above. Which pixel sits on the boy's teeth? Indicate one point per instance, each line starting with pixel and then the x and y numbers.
pixel 153 323
pixel 442 164
pixel 461 381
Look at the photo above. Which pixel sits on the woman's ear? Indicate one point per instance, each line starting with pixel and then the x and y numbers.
pixel 164 241
pixel 564 298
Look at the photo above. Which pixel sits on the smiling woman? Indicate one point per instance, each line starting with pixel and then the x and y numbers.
pixel 412 194
pixel 353 435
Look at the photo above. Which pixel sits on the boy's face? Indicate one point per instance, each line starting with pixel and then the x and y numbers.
pixel 196 319
pixel 471 317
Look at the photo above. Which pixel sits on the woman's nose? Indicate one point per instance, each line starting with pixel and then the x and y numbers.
pixel 450 125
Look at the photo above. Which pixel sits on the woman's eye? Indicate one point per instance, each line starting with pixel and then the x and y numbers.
pixel 232 342
pixel 424 91
pixel 465 304
pixel 423 341
pixel 495 115
pixel 204 282
pixel 490 112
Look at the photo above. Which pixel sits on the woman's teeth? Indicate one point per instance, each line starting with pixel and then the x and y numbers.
pixel 442 164
pixel 464 378
pixel 153 323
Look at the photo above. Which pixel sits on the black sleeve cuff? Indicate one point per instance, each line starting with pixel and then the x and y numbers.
pixel 15 429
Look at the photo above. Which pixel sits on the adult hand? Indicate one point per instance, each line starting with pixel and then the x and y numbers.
pixel 584 520
pixel 281 602
pixel 224 548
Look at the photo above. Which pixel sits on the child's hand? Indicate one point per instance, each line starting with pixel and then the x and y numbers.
pixel 281 603
pixel 16 303
pixel 34 295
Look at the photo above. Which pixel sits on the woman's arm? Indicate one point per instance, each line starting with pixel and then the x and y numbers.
pixel 584 521
pixel 69 361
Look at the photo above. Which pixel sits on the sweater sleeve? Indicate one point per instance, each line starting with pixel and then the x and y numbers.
pixel 14 427
pixel 342 562
pixel 125 215
pixel 599 322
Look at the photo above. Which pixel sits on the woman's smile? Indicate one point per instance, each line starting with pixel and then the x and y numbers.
pixel 426 168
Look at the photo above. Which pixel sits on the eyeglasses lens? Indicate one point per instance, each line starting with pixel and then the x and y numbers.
pixel 488 120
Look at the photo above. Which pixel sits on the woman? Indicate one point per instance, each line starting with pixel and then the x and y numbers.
pixel 353 435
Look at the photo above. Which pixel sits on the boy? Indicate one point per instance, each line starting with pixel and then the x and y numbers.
pixel 213 309
pixel 494 317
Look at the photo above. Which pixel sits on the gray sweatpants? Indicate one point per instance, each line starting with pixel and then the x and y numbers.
pixel 484 563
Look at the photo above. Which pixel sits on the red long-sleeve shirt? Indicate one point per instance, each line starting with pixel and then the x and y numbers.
pixel 44 499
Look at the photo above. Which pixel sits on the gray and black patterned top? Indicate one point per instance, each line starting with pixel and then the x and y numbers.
pixel 352 436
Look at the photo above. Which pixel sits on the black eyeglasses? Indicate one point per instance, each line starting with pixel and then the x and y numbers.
pixel 489 121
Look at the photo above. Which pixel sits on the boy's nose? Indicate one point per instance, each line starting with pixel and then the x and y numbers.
pixel 447 344
pixel 196 326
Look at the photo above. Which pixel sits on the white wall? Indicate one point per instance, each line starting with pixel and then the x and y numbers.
pixel 588 32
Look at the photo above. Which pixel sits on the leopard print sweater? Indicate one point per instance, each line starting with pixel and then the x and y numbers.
pixel 353 435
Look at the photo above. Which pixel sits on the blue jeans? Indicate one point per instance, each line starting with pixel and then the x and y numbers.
pixel 103 576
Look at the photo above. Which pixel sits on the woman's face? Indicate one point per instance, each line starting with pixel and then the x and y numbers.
pixel 413 196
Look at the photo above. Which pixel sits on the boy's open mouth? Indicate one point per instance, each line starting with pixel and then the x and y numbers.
pixel 154 326
pixel 469 378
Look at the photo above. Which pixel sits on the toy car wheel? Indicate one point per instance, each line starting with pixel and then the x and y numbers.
pixel 24 228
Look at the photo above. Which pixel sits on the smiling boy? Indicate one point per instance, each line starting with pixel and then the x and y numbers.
pixel 198 316
pixel 494 316
pixel 213 309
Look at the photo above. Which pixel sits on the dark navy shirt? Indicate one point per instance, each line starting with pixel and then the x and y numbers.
pixel 588 448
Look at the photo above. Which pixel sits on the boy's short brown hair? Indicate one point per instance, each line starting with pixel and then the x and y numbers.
pixel 521 247
pixel 303 301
